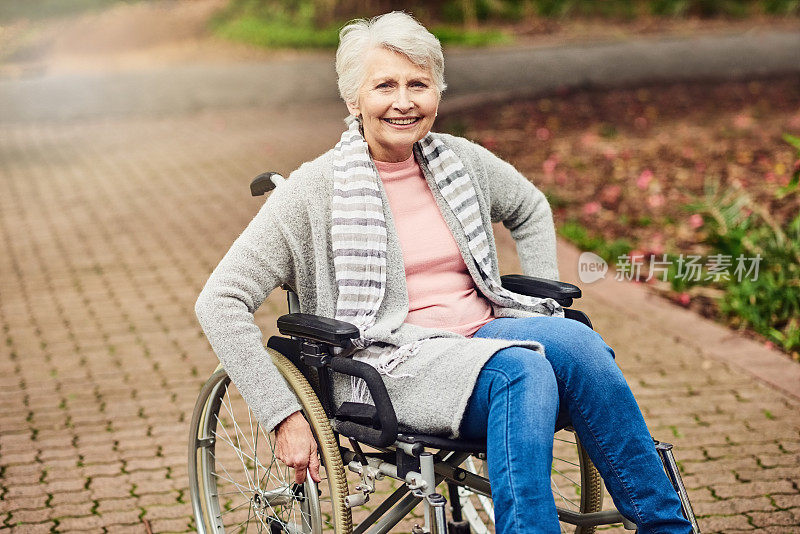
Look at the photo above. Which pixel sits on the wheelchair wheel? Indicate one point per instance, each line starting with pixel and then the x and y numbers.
pixel 575 483
pixel 235 480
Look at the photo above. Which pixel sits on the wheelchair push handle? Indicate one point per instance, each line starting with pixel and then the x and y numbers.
pixel 387 419
pixel 265 182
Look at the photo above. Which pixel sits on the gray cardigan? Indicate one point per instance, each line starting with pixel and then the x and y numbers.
pixel 288 241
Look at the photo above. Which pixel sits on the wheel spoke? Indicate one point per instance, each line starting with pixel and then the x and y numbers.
pixel 565 476
pixel 232 482
pixel 563 497
pixel 567 462
pixel 234 508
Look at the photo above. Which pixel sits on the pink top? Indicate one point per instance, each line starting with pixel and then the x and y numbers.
pixel 441 292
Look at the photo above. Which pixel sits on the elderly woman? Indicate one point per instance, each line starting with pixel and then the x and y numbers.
pixel 391 231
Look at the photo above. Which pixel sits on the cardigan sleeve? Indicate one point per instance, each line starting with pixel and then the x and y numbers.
pixel 257 262
pixel 525 211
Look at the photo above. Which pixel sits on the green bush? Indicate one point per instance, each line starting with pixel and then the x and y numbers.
pixel 770 302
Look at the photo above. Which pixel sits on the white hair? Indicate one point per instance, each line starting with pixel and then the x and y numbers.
pixel 395 31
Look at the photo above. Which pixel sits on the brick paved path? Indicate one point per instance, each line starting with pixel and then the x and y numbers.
pixel 108 229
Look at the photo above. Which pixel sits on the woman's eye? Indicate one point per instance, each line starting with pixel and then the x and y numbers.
pixel 384 85
pixel 419 84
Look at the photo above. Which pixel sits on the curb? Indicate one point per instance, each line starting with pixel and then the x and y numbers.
pixel 708 338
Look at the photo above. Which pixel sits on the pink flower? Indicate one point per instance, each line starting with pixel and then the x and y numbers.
pixel 644 179
pixel 549 165
pixel 543 134
pixel 684 299
pixel 696 221
pixel 640 122
pixel 610 153
pixel 590 208
pixel 657 245
pixel 769 344
pixel 656 201
pixel 589 139
pixel 611 194
pixel 742 121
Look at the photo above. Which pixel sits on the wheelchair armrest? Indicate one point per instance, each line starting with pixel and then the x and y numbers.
pixel 313 327
pixel 377 437
pixel 562 292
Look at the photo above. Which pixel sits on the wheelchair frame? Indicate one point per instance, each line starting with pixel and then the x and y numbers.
pixel 316 348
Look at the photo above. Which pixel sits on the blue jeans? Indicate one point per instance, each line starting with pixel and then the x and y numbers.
pixel 526 397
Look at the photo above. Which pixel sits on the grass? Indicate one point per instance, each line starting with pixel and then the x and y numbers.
pixel 610 251
pixel 276 34
pixel 279 32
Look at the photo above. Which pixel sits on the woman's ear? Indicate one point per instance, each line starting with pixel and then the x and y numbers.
pixel 353 108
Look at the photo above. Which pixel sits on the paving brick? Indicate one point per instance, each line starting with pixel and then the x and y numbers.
pixel 171 525
pixel 107 505
pixel 32 528
pixel 754 489
pixel 178 511
pixel 735 506
pixel 26 490
pixel 724 523
pixel 99 470
pixel 78 509
pixel 166 498
pixel 787 501
pixel 71 484
pixel 778 518
pixel 22 502
pixel 30 516
pixel 70 497
pixel 81 523
pixel 117 487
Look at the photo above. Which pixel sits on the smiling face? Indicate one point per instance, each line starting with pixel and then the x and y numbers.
pixel 397 103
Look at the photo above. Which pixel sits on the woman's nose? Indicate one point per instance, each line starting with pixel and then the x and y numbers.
pixel 402 101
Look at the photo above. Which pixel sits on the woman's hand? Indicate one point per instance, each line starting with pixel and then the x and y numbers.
pixel 296 447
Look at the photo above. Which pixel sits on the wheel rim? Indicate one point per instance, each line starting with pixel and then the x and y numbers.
pixel 237 483
pixel 575 483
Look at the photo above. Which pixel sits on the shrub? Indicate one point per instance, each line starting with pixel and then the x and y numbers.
pixel 770 302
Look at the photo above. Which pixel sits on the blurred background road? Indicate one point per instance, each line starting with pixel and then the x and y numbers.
pixel 129 134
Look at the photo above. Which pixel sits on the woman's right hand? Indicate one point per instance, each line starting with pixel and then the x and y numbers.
pixel 296 447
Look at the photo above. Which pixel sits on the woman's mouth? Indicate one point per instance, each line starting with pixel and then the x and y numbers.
pixel 402 122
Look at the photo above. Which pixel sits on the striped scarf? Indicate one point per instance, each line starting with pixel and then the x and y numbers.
pixel 358 235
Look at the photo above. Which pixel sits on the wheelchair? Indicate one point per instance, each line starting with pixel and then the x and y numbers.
pixel 236 482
